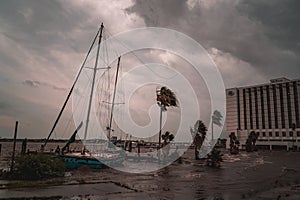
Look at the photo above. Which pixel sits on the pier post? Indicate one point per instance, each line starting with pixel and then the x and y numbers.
pixel 14 148
pixel 24 147
pixel 130 146
pixel 0 149
pixel 139 149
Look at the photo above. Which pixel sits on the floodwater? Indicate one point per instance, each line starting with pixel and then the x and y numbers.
pixel 257 175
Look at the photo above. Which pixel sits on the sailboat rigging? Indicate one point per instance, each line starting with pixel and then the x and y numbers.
pixel 72 88
pixel 93 84
pixel 75 160
pixel 113 102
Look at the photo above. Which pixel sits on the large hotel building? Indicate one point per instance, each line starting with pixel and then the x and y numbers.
pixel 271 110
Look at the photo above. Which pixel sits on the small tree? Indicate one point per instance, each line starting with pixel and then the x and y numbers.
pixel 251 142
pixel 37 166
pixel 214 159
pixel 200 128
pixel 234 144
pixel 167 137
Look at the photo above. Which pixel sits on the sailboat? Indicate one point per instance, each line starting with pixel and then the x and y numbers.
pixel 98 158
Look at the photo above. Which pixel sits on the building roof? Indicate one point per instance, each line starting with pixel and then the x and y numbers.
pixel 272 81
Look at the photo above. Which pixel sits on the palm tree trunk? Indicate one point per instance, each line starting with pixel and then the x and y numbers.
pixel 160 127
pixel 212 130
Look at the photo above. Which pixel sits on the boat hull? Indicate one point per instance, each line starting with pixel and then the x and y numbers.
pixel 72 162
pixel 75 161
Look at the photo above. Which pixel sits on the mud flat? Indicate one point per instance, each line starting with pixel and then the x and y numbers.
pixel 258 175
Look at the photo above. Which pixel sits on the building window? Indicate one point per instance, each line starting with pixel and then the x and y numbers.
pixel 239 109
pixel 275 106
pixel 283 134
pixel 296 101
pixel 262 103
pixel 288 96
pixel 269 107
pixel 291 134
pixel 277 134
pixel 270 134
pixel 256 108
pixel 282 106
pixel 250 108
pixel 264 134
pixel 245 109
pixel 258 134
pixel 298 133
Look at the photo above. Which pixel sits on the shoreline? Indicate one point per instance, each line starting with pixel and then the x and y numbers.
pixel 257 175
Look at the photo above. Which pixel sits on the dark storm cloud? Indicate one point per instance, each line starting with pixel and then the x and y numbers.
pixel 32 83
pixel 40 43
pixel 40 40
pixel 280 18
pixel 160 13
pixel 7 108
pixel 39 26
pixel 280 22
pixel 264 34
pixel 4 106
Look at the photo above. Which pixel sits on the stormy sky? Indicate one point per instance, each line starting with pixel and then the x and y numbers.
pixel 43 43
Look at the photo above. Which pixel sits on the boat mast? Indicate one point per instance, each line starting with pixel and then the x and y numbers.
pixel 93 84
pixel 114 96
pixel 72 88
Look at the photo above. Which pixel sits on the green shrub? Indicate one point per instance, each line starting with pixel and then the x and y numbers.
pixel 37 166
pixel 214 158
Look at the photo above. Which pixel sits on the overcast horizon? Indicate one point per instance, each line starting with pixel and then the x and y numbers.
pixel 43 43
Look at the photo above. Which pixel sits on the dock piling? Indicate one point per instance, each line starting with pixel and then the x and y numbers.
pixel 14 148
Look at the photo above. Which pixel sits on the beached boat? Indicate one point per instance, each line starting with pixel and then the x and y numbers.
pixel 77 160
pixel 97 158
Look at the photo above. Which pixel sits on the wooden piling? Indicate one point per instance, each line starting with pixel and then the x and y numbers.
pixel 14 148
pixel 24 146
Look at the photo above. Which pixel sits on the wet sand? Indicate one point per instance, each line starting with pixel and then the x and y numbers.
pixel 257 175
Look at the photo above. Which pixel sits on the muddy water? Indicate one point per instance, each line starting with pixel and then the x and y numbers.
pixel 71 190
pixel 258 175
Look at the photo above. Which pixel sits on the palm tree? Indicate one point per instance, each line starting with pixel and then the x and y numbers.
pixel 167 137
pixel 199 127
pixel 165 98
pixel 202 129
pixel 216 119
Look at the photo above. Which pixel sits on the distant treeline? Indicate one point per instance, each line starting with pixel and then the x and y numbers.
pixel 36 140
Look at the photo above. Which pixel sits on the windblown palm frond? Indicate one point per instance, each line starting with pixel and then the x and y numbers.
pixel 166 98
